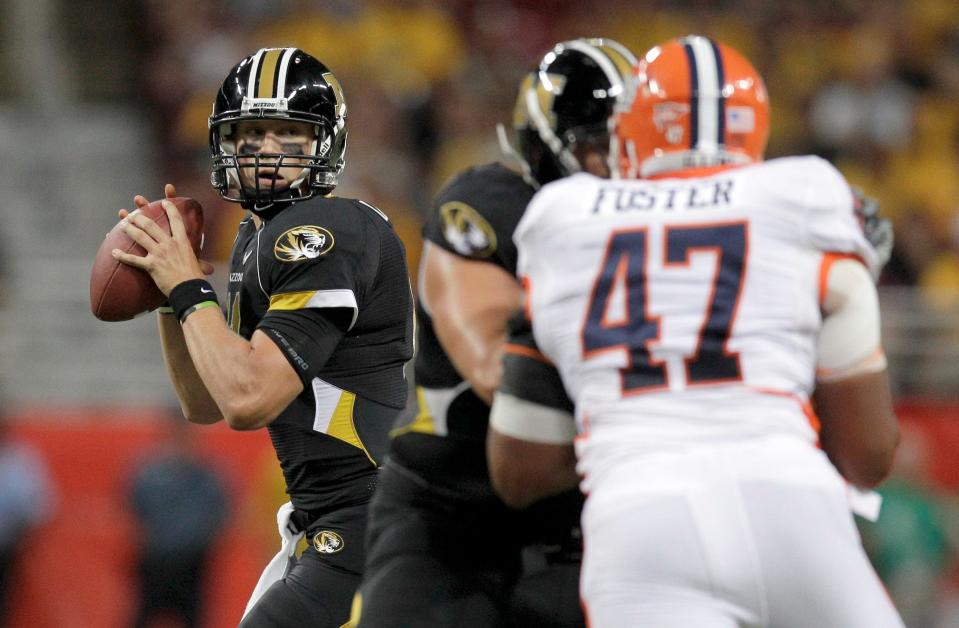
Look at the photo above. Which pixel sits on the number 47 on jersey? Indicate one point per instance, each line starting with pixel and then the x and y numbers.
pixel 625 267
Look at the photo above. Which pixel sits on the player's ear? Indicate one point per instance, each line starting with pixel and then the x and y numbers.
pixel 595 163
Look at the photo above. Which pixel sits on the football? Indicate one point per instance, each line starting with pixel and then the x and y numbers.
pixel 119 292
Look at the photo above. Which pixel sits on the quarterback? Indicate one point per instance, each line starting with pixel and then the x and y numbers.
pixel 714 320
pixel 318 324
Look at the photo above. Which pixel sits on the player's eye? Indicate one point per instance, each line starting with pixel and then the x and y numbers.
pixel 251 133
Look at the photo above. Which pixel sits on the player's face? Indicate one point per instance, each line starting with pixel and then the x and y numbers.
pixel 269 138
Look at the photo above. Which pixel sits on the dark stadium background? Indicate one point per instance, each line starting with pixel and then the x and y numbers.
pixel 101 100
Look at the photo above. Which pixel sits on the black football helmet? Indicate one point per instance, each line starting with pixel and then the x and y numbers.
pixel 279 84
pixel 566 102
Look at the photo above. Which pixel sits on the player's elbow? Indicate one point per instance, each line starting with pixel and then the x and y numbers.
pixel 512 487
pixel 524 472
pixel 246 413
pixel 859 430
pixel 200 411
pixel 484 378
pixel 869 463
pixel 508 474
pixel 202 418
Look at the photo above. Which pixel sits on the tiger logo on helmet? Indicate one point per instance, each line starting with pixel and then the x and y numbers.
pixel 693 103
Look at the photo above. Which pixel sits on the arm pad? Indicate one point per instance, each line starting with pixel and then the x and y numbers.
pixel 849 340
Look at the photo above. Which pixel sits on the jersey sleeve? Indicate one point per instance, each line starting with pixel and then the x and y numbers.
pixel 529 374
pixel 531 402
pixel 307 338
pixel 475 214
pixel 830 222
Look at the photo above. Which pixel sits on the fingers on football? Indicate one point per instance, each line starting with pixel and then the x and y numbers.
pixel 206 267
pixel 169 190
pixel 176 222
pixel 130 259
pixel 150 227
pixel 140 201
pixel 138 235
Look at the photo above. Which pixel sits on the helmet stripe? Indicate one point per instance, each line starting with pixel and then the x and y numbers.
pixel 266 84
pixel 693 96
pixel 254 72
pixel 281 75
pixel 721 98
pixel 705 68
pixel 616 78
pixel 620 56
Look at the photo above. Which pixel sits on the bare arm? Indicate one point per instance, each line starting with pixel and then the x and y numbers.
pixel 859 430
pixel 250 381
pixel 530 450
pixel 547 469
pixel 529 444
pixel 195 400
pixel 470 304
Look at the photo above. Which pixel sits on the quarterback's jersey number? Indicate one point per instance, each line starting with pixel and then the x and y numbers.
pixel 625 265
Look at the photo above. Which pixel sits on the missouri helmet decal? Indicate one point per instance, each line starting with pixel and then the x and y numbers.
pixel 466 230
pixel 328 542
pixel 303 243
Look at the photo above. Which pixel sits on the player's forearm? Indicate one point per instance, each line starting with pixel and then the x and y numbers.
pixel 859 430
pixel 227 364
pixel 470 303
pixel 195 400
pixel 523 472
pixel 475 347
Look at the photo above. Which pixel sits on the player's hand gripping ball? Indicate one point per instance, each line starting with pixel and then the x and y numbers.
pixel 119 292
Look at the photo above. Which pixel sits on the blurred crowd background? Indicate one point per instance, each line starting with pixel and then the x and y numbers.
pixel 102 100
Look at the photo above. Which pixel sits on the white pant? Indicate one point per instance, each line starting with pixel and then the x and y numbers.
pixel 748 535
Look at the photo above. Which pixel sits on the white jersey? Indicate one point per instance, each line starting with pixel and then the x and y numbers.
pixel 685 310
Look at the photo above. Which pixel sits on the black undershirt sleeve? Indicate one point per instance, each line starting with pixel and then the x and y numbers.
pixel 527 373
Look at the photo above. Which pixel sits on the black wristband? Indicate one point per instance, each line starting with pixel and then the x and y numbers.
pixel 188 294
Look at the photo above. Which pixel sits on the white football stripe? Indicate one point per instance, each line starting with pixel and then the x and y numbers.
pixel 284 65
pixel 251 85
pixel 710 90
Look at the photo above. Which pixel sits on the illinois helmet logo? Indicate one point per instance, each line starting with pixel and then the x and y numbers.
pixel 303 243
pixel 467 231
pixel 327 542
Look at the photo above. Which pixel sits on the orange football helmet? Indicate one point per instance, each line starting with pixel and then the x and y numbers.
pixel 697 103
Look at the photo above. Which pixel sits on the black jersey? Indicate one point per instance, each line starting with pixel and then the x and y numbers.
pixel 329 254
pixel 474 217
